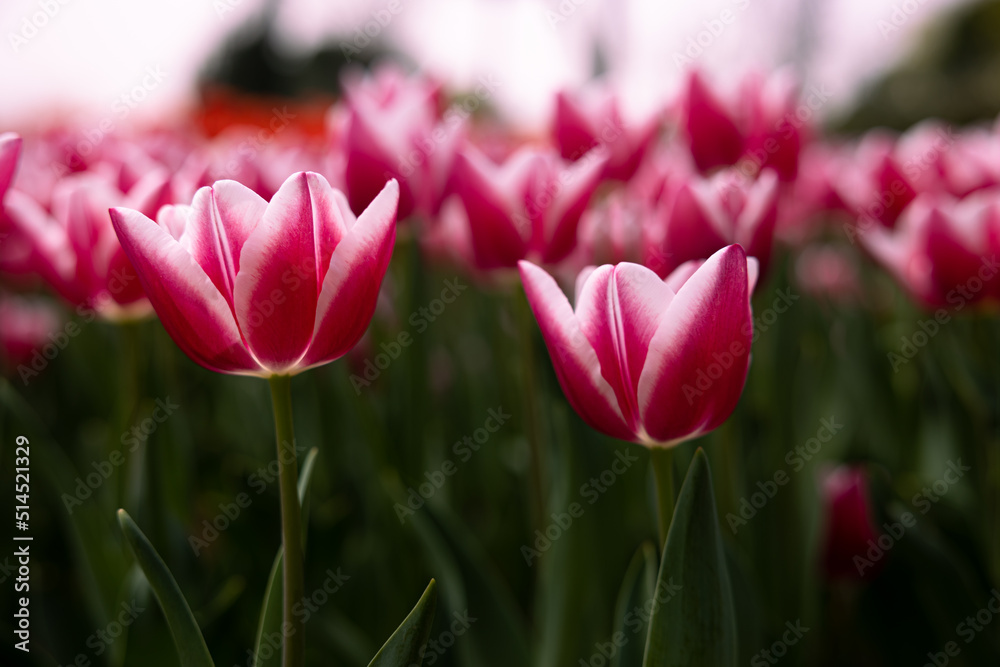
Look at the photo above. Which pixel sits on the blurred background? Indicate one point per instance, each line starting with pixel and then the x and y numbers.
pixel 209 65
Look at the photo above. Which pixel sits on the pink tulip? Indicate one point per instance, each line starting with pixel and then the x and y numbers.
pixel 705 215
pixel 392 131
pixel 849 524
pixel 943 251
pixel 648 360
pixel 527 208
pixel 592 118
pixel 74 248
pixel 760 125
pixel 251 287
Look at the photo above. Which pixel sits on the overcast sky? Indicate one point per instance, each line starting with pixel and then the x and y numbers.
pixel 82 56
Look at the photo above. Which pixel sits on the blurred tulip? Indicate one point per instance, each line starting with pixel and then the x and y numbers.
pixel 391 131
pixel 74 248
pixel 26 325
pixel 648 360
pixel 592 118
pixel 703 216
pixel 527 208
pixel 249 287
pixel 943 250
pixel 762 126
pixel 849 526
pixel 828 272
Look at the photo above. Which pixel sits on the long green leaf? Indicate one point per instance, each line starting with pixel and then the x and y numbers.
pixel 405 647
pixel 184 629
pixel 637 589
pixel 270 612
pixel 693 622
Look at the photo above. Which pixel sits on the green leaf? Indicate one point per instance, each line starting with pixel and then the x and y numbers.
pixel 270 611
pixel 636 592
pixel 184 629
pixel 405 647
pixel 693 622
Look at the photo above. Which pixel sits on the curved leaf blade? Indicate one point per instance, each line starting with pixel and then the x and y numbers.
pixel 693 620
pixel 635 594
pixel 405 647
pixel 187 636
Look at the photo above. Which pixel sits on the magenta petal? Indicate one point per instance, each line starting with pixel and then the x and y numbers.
pixel 574 359
pixel 277 284
pixel 714 138
pixel 497 239
pixel 191 309
pixel 698 358
pixel 618 311
pixel 352 283
pixel 222 218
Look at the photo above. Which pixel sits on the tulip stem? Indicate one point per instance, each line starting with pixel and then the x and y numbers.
pixel 293 645
pixel 662 461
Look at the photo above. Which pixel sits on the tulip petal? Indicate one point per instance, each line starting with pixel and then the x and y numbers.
pixel 353 280
pixel 498 239
pixel 277 285
pixel 223 217
pixel 618 311
pixel 575 361
pixel 191 309
pixel 699 355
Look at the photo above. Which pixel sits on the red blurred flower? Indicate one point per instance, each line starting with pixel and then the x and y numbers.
pixel 527 208
pixel 943 250
pixel 703 215
pixel 391 130
pixel 649 360
pixel 25 325
pixel 591 118
pixel 74 248
pixel 849 526
pixel 762 125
